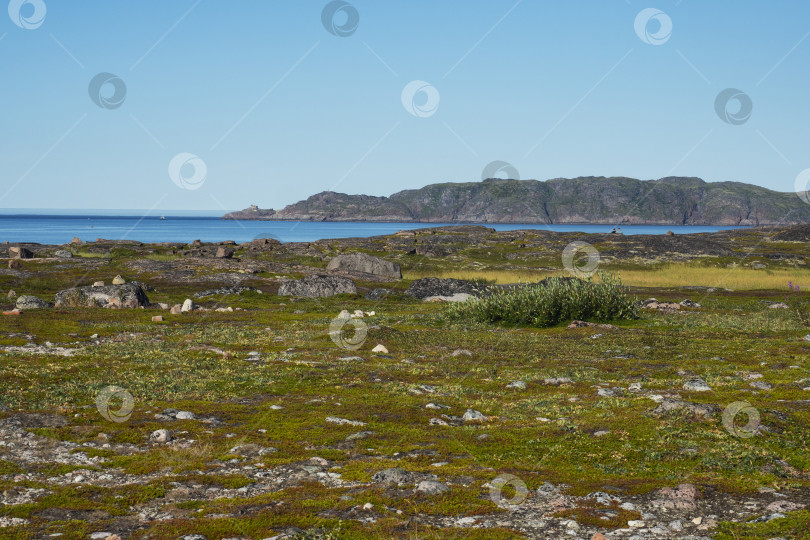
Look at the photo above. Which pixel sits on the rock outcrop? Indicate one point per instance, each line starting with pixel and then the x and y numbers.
pixel 128 295
pixel 317 287
pixel 363 263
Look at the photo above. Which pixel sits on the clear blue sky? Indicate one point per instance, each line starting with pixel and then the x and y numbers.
pixel 278 108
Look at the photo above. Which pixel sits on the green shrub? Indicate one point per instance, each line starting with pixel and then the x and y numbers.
pixel 550 302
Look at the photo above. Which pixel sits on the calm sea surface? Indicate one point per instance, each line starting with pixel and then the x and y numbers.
pixel 45 229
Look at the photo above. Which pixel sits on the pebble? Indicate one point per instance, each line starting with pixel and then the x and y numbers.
pixel 520 385
pixel 185 415
pixel 158 318
pixel 380 348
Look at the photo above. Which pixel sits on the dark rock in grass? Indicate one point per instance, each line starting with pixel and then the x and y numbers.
pixel 365 264
pixel 377 294
pixel 225 290
pixel 430 286
pixel 317 287
pixel 394 475
pixel 14 264
pixel 27 302
pixel 20 253
pixel 128 295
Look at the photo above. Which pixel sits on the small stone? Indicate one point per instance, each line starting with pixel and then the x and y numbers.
pixel 176 309
pixel 188 306
pixel 520 385
pixel 636 524
pixel 380 349
pixel 185 415
pixel 76 240
pixel 118 280
pixel 697 385
pixel 472 415
pixel 760 385
pixel 676 525
pixel 12 294
pixel 432 487
pixel 98 284
pixel 779 305
pixel 12 312
pixel 634 387
pixel 460 352
pixel 14 264
pixel 393 475
pixel 160 436
pixel 344 421
pixel 697 520
pixel 157 318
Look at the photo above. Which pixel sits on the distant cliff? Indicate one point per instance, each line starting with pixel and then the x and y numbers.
pixel 599 200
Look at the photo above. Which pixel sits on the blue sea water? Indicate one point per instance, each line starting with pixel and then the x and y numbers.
pixel 60 229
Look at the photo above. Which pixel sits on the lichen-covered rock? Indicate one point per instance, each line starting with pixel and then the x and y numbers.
pixel 366 264
pixel 430 286
pixel 317 287
pixel 128 295
pixel 27 302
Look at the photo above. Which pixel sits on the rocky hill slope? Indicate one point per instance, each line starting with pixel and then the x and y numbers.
pixel 599 200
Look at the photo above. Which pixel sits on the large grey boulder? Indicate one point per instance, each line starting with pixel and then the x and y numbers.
pixel 128 295
pixel 436 287
pixel 364 263
pixel 317 287
pixel 27 302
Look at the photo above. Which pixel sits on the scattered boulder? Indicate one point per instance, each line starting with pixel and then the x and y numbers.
pixel 27 302
pixel 160 436
pixel 20 253
pixel 223 253
pixel 430 286
pixel 118 280
pixel 176 309
pixel 365 264
pixel 98 284
pixel 377 294
pixel 690 303
pixel 76 241
pixel 238 289
pixel 188 306
pixel 157 318
pixel 779 305
pixel 63 254
pixel 128 295
pixel 394 475
pixel 697 385
pixel 432 487
pixel 667 405
pixel 586 324
pixel 458 297
pixel 13 294
pixel 472 415
pixel 380 348
pixel 14 264
pixel 518 385
pixel 12 312
pixel 317 287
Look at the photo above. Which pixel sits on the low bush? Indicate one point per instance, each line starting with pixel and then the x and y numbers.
pixel 550 302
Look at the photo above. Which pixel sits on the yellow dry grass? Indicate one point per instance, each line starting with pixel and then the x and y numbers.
pixel 668 275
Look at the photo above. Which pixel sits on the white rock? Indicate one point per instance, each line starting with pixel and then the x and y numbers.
pixel 697 385
pixel 636 524
pixel 344 421
pixel 458 297
pixel 471 415
pixel 160 436
pixel 358 314
pixel 344 315
pixel 380 348
pixel 188 305
pixel 520 385
pixel 185 415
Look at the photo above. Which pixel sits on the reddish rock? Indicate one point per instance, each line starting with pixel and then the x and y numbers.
pixel 76 240
pixel 12 312
pixel 224 253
